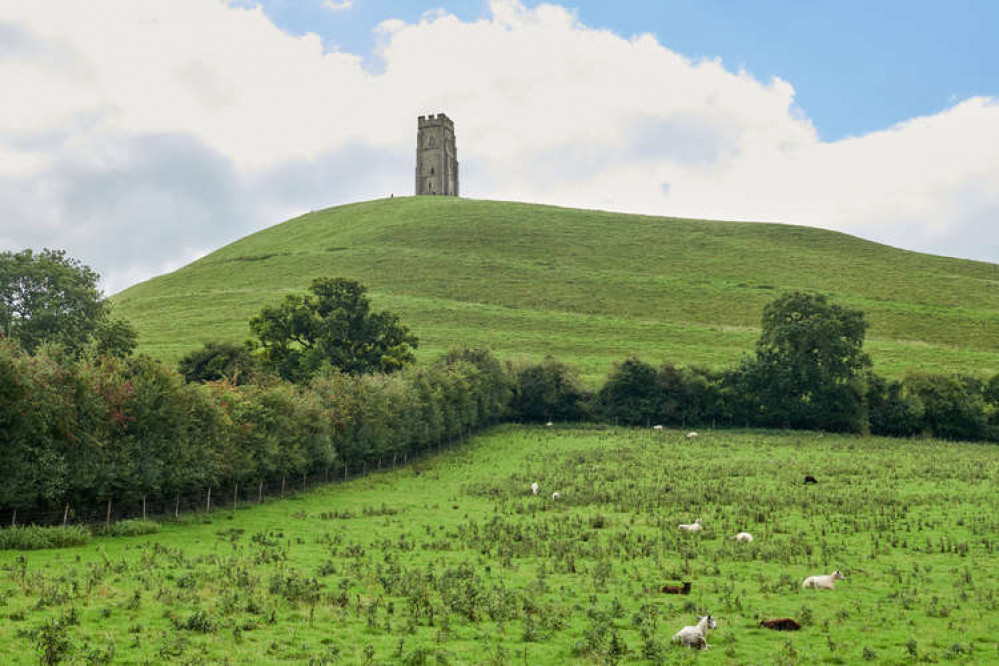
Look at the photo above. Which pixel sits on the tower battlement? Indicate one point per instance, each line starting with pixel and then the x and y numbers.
pixel 436 156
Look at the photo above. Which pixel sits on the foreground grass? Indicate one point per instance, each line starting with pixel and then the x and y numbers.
pixel 587 287
pixel 455 562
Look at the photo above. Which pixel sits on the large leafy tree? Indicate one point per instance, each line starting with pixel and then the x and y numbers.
pixel 808 371
pixel 332 326
pixel 47 297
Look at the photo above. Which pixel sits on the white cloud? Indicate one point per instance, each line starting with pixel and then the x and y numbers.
pixel 113 101
pixel 338 5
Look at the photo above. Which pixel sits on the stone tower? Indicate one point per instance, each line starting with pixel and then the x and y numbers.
pixel 436 156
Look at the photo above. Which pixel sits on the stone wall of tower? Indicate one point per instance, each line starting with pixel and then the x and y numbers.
pixel 436 156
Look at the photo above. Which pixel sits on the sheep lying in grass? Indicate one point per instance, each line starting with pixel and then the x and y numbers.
pixel 780 624
pixel 692 527
pixel 823 582
pixel 549 424
pixel 810 479
pixel 691 435
pixel 657 428
pixel 743 536
pixel 676 589
pixel 696 635
pixel 534 488
pixel 556 495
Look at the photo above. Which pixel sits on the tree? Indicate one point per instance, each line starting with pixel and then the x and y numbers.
pixel 631 395
pixel 218 360
pixel 47 297
pixel 549 391
pixel 808 371
pixel 332 327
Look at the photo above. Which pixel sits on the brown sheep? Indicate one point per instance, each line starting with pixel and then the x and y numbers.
pixel 677 589
pixel 781 624
pixel 811 479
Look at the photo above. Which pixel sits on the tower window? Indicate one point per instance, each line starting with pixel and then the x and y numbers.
pixel 430 144
pixel 431 171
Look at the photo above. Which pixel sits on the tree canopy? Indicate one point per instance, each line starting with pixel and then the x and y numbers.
pixel 809 363
pixel 332 326
pixel 47 297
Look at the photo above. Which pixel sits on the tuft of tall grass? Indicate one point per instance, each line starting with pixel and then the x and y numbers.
pixel 124 528
pixel 34 537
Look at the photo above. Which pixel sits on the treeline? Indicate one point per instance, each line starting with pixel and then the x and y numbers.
pixel 809 372
pixel 637 393
pixel 85 433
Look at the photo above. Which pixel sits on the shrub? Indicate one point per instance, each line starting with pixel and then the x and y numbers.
pixel 124 528
pixel 548 391
pixel 38 538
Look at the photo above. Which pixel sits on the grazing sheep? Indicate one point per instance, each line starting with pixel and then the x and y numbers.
pixel 676 589
pixel 657 428
pixel 534 488
pixel 780 624
pixel 692 527
pixel 823 582
pixel 696 635
pixel 743 536
pixel 556 495
pixel 549 424
pixel 691 435
pixel 810 479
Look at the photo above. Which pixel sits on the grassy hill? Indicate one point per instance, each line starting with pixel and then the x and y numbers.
pixel 587 287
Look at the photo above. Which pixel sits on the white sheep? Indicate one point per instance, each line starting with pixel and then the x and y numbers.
pixel 657 428
pixel 556 495
pixel 743 536
pixel 549 424
pixel 696 635
pixel 534 488
pixel 823 582
pixel 691 435
pixel 692 527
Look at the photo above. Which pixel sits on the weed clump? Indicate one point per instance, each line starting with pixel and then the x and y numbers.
pixel 34 537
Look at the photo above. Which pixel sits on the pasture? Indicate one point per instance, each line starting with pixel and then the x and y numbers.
pixel 453 560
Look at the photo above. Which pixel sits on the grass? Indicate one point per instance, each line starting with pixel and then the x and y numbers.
pixel 455 562
pixel 587 287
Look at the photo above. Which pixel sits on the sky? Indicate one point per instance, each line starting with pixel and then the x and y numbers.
pixel 141 134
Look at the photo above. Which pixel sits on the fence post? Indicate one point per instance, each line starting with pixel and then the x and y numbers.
pixel 108 519
pixel 208 503
pixel 65 515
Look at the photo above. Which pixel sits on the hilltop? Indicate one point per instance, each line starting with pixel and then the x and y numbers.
pixel 587 287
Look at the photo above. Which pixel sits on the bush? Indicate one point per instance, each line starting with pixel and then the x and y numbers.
pixel 891 411
pixel 548 391
pixel 953 406
pixel 34 537
pixel 125 528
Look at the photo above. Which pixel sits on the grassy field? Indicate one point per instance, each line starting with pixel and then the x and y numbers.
pixel 587 287
pixel 454 561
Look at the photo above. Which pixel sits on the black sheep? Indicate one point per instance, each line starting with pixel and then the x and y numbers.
pixel 781 624
pixel 677 589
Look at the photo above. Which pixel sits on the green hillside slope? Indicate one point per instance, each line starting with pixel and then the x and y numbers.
pixel 587 287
